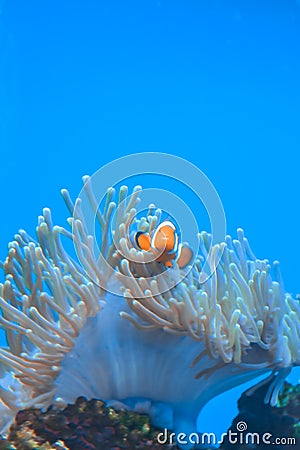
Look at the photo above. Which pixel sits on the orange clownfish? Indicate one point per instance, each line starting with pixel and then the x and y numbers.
pixel 164 245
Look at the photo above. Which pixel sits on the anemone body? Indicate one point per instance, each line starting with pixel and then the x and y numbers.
pixel 143 371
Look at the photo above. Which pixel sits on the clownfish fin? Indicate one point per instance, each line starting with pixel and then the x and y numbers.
pixel 168 264
pixel 142 240
pixel 185 256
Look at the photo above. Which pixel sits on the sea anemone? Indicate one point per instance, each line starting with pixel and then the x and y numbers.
pixel 122 328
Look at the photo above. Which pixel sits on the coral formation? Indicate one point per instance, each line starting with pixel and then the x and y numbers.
pixel 86 425
pixel 281 422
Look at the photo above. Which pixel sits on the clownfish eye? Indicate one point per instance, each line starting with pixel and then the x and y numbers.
pixel 142 240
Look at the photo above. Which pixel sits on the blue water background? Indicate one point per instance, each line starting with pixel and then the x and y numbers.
pixel 216 82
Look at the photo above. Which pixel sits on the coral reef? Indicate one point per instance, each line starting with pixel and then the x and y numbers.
pixel 282 421
pixel 91 425
pixel 86 425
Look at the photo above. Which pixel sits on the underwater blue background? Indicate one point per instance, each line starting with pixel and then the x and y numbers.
pixel 215 82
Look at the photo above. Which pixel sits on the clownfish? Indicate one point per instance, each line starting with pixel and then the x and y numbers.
pixel 164 244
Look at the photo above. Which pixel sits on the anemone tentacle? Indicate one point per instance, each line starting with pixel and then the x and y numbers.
pixel 45 301
pixel 239 305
